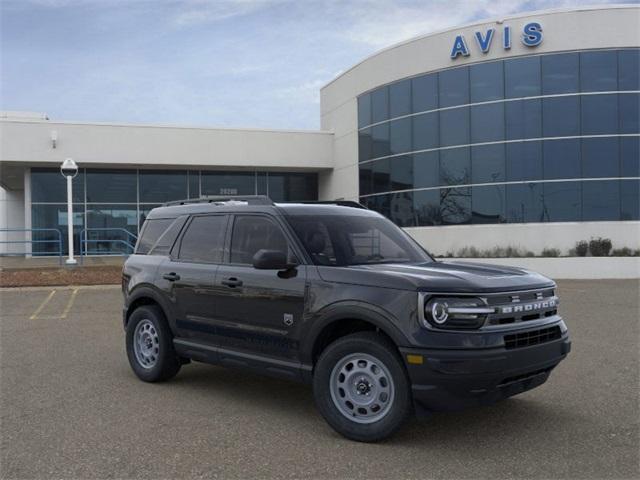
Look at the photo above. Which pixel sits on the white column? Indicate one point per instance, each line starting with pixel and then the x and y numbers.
pixel 70 260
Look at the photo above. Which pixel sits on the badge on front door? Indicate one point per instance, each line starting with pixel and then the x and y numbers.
pixel 288 319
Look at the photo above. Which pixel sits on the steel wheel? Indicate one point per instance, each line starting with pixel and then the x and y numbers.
pixel 146 344
pixel 362 388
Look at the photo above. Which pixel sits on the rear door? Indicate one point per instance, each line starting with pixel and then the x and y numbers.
pixel 189 275
pixel 259 311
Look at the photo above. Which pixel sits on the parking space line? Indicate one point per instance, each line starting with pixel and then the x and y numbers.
pixel 42 305
pixel 69 303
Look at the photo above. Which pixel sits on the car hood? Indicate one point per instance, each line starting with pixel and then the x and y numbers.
pixel 462 277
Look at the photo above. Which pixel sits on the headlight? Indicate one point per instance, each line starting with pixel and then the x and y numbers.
pixel 455 312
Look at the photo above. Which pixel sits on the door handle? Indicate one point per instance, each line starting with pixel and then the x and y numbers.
pixel 232 282
pixel 172 277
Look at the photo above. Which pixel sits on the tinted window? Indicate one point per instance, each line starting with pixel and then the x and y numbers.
pixel 401 209
pixel 426 207
pixel 204 239
pixel 425 131
pixel 454 87
pixel 455 205
pixel 522 77
pixel 380 105
pixel 487 164
pixel 455 166
pixel 560 73
pixel 117 186
pixel 364 110
pixel 159 187
pixel 562 201
pixel 454 127
pixel 523 119
pixel 118 219
pixel 381 175
pixel 365 178
pixel 194 184
pixel 561 159
pixel 424 93
pixel 426 168
pixel 165 242
pixel 487 81
pixel 400 98
pixel 402 172
pixel 524 203
pixel 524 161
pixel 629 112
pixel 253 233
pixel 151 233
pixel 629 70
pixel 600 157
pixel 599 71
pixel 601 200
pixel 48 185
pixel 561 116
pixel 400 135
pixel 293 187
pixel 629 203
pixel 630 156
pixel 487 123
pixel 380 137
pixel 599 114
pixel 53 216
pixel 365 145
pixel 228 183
pixel 488 204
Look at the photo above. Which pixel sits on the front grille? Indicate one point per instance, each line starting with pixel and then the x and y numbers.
pixel 519 307
pixel 524 376
pixel 533 337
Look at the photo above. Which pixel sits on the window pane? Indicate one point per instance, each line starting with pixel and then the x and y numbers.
pixel 524 161
pixel 599 114
pixel 488 204
pixel 151 233
pixel 561 116
pixel 560 73
pixel 523 119
pixel 522 77
pixel 630 156
pixel 487 123
pixel 599 71
pixel 365 145
pixel 426 207
pixel 144 213
pixel 600 157
pixel 629 69
pixel 365 176
pixel 253 233
pixel 293 187
pixel 261 183
pixel 524 203
pixel 108 226
pixel 454 87
pixel 400 98
pixel 455 205
pixel 52 217
pixel 380 105
pixel 194 184
pixel 401 209
pixel 425 131
pixel 228 183
pixel 48 185
pixel 630 199
pixel 402 173
pixel 400 135
pixel 455 166
pixel 562 201
pixel 629 113
pixel 165 243
pixel 487 81
pixel 364 110
pixel 562 159
pixel 204 239
pixel 112 186
pixel 381 176
pixel 380 204
pixel 601 200
pixel 160 187
pixel 487 164
pixel 424 93
pixel 380 138
pixel 426 168
pixel 454 127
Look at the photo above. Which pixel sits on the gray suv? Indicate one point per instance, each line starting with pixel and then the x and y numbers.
pixel 337 296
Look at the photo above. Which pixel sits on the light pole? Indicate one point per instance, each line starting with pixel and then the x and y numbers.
pixel 69 170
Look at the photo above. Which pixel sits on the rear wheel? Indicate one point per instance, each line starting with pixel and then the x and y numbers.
pixel 361 387
pixel 150 345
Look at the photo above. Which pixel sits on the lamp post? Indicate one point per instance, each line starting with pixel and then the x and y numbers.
pixel 69 170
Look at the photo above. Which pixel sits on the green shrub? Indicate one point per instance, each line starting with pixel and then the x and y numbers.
pixel 550 252
pixel 600 247
pixel 625 252
pixel 581 248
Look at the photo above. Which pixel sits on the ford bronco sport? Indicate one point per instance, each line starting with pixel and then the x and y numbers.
pixel 337 296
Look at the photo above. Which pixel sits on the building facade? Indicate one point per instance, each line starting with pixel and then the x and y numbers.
pixel 521 131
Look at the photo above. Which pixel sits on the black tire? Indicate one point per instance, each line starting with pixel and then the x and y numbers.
pixel 166 364
pixel 379 347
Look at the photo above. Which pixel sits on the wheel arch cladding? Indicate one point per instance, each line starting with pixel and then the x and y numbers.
pixel 145 297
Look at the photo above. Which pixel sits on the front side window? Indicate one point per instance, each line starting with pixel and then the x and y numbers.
pixel 203 241
pixel 252 233
pixel 342 240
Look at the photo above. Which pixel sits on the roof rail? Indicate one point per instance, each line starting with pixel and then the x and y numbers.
pixel 342 203
pixel 249 199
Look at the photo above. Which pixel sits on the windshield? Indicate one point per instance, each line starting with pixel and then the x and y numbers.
pixel 341 240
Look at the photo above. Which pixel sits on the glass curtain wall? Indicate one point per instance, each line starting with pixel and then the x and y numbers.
pixel 544 138
pixel 110 205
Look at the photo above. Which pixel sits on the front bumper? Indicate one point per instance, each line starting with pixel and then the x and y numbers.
pixel 449 380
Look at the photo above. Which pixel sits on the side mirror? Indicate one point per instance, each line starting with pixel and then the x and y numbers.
pixel 271 260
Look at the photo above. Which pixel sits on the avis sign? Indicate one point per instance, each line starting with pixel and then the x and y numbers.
pixel 531 37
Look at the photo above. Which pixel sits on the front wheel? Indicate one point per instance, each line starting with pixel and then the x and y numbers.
pixel 361 387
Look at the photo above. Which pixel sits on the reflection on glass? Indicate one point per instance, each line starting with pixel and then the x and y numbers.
pixel 402 172
pixel 524 203
pixel 562 201
pixel 400 98
pixel 380 140
pixel 487 123
pixel 630 157
pixel 599 114
pixel 600 157
pixel 455 166
pixel 364 110
pixel 522 77
pixel 560 73
pixel 524 161
pixel 380 105
pixel 455 205
pixel 48 185
pixel 426 169
pixel 523 119
pixel 454 87
pixel 400 135
pixel 401 208
pixel 488 204
pixel 629 195
pixel 162 186
pixel 629 112
pixel 454 127
pixel 487 81
pixel 426 207
pixel 561 116
pixel 365 178
pixel 599 71
pixel 601 200
pixel 381 176
pixel 54 217
pixel 629 69
pixel 365 145
pixel 488 164
pixel 425 131
pixel 561 159
pixel 112 186
pixel 424 93
pixel 108 226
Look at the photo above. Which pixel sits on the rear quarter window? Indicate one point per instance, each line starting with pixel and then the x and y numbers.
pixel 158 235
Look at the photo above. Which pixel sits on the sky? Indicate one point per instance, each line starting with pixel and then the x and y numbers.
pixel 220 63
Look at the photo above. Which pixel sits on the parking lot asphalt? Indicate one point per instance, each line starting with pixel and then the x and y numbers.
pixel 72 408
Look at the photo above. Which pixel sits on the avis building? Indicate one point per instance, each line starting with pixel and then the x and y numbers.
pixel 521 131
